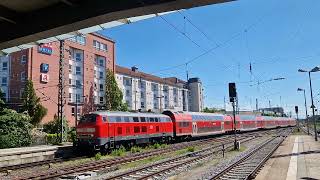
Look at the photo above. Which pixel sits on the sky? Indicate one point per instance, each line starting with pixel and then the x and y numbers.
pixel 220 41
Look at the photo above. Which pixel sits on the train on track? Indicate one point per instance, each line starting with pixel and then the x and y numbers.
pixel 104 130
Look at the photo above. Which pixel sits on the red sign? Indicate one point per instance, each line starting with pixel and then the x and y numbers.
pixel 44 78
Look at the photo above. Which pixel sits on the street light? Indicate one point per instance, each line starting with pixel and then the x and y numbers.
pixel 272 79
pixel 315 69
pixel 305 104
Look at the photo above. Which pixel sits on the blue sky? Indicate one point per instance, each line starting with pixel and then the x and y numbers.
pixel 277 37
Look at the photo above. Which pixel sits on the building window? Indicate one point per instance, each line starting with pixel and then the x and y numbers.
pixel 142 104
pixel 101 100
pixel 70 68
pixel 95 73
pixel 78 70
pixel 23 59
pixel 99 46
pixel 101 62
pixel 79 39
pixel 70 81
pixel 78 57
pixel 101 87
pixel 21 92
pixel 101 75
pixel 78 84
pixel 78 98
pixel 127 82
pixel 127 93
pixel 23 76
pixel 70 97
pixel 4 81
pixel 4 66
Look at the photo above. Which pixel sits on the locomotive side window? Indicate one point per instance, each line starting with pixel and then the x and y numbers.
pixel 135 119
pixel 88 118
pixel 118 119
pixel 142 119
pixel 104 119
pixel 136 129
pixel 144 129
pixel 119 130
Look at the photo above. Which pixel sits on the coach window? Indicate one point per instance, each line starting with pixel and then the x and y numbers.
pixel 156 119
pixel 142 119
pixel 151 119
pixel 144 129
pixel 118 119
pixel 135 119
pixel 136 129
pixel 126 119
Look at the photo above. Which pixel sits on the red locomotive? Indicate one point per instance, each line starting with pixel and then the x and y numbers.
pixel 105 130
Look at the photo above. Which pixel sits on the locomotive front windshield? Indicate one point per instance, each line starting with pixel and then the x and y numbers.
pixel 88 118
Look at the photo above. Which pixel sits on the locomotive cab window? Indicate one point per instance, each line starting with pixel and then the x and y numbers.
pixel 88 118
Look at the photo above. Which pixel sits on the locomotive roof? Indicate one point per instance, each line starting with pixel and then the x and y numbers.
pixel 136 114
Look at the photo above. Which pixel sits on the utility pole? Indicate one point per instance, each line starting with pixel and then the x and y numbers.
pixel 257 107
pixel 224 104
pixel 269 104
pixel 61 91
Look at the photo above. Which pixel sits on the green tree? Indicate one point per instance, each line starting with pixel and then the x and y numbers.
pixel 2 101
pixel 113 94
pixel 31 104
pixel 15 129
pixel 212 110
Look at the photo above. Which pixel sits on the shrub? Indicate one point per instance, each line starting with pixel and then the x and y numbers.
pixel 119 152
pixel 15 129
pixel 191 149
pixel 72 135
pixel 53 139
pixel 97 156
pixel 156 146
pixel 135 149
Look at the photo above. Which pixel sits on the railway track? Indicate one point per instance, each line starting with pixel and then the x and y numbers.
pixel 96 165
pixel 249 164
pixel 165 167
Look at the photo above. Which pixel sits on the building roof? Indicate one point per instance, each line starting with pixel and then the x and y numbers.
pixel 149 77
pixel 103 36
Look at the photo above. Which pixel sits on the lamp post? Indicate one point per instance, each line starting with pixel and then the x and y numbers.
pixel 305 105
pixel 315 69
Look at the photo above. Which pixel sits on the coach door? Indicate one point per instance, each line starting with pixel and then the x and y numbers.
pixel 194 128
pixel 111 131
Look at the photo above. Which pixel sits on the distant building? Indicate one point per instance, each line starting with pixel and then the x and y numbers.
pixel 195 95
pixel 146 92
pixel 274 110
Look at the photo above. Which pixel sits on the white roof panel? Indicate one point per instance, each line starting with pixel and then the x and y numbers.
pixel 90 29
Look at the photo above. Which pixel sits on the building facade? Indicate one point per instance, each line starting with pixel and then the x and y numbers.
pixel 146 92
pixel 196 102
pixel 86 59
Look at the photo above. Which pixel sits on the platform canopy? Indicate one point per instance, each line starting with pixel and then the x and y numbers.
pixel 25 23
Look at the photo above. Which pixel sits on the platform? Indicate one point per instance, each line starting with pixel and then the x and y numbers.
pixel 15 156
pixel 298 157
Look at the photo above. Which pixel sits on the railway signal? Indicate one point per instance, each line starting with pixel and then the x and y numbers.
pixel 233 98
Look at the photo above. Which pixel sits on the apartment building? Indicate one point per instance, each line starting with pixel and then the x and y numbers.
pixel 86 59
pixel 196 102
pixel 146 92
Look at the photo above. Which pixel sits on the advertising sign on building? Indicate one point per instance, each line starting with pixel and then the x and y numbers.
pixel 45 49
pixel 44 68
pixel 44 78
